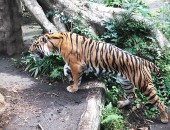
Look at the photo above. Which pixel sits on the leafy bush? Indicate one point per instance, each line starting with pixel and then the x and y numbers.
pixel 133 36
pixel 162 20
pixel 136 6
pixel 52 66
pixel 111 118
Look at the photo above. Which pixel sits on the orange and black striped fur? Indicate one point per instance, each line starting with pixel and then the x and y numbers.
pixel 83 55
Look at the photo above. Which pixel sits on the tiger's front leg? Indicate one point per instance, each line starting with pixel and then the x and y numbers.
pixel 77 72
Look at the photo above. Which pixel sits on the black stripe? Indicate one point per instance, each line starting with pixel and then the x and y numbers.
pixel 84 39
pixel 71 42
pixel 97 50
pixel 134 71
pixel 85 51
pixel 143 88
pixel 103 61
pixel 122 71
pixel 61 45
pixel 152 97
pixel 82 47
pixel 155 102
pixel 91 59
pixel 100 69
pixel 66 35
pixel 136 63
pixel 132 63
pixel 148 94
pixel 77 46
pixel 125 63
pixel 114 65
pixel 54 37
pixel 140 79
pixel 110 49
pixel 55 48
pixel 88 49
pixel 128 88
pixel 107 61
pixel 149 91
pixel 117 52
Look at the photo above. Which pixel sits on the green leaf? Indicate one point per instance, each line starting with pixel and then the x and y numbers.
pixel 110 118
pixel 28 66
pixel 36 73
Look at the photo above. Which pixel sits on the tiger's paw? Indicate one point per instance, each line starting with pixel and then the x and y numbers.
pixel 72 89
pixel 164 117
pixel 122 104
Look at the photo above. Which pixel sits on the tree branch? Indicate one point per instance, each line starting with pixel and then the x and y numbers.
pixel 36 10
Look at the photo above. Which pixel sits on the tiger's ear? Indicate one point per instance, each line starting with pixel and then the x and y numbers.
pixel 43 39
pixel 50 32
pixel 55 35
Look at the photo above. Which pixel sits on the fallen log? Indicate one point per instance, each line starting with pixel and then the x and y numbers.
pixel 90 119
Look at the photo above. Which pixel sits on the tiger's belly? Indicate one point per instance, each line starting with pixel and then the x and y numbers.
pixel 100 71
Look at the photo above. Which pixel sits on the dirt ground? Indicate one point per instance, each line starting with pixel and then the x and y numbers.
pixel 34 105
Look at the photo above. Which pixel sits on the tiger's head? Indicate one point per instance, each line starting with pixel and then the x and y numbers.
pixel 46 45
pixel 39 47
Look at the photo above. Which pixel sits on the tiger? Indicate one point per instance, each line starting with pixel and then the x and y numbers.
pixel 85 55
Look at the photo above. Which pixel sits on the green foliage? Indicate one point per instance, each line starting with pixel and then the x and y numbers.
pixel 136 6
pixel 52 66
pixel 162 20
pixel 150 112
pixel 133 36
pixel 111 118
pixel 114 94
pixel 114 3
pixel 58 73
pixel 114 91
pixel 95 1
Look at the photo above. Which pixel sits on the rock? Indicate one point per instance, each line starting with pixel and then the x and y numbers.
pixel 2 104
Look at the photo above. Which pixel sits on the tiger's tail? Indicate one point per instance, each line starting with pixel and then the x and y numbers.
pixel 161 87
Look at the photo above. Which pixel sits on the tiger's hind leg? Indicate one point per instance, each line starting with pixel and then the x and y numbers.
pixel 152 96
pixel 67 73
pixel 129 90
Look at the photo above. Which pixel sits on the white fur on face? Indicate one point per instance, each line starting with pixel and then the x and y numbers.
pixel 47 51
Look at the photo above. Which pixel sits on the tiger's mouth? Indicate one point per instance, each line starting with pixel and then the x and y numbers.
pixel 38 54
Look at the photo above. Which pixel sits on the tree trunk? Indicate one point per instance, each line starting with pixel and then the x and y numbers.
pixel 36 10
pixel 90 14
pixel 10 28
